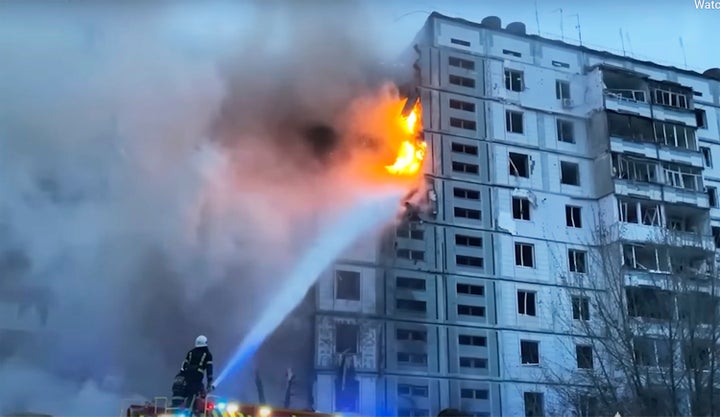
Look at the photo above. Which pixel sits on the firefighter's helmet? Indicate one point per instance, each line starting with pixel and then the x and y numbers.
pixel 200 341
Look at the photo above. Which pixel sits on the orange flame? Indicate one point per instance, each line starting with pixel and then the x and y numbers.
pixel 411 154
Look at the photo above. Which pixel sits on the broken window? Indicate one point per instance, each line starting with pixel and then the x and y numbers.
pixel 698 354
pixel 413 390
pixel 470 289
pixel 683 176
pixel 461 63
pixel 628 211
pixel 588 406
pixel 573 216
pixel 652 352
pixel 707 156
pixel 526 303
pixel 471 362
pixel 466 310
pixel 565 131
pixel 346 338
pixel 623 86
pixel 464 168
pixel 410 305
pixel 462 105
pixel 650 214
pixel 525 255
pixel 691 267
pixel 630 127
pixel 521 208
pixel 466 194
pixel 584 355
pixel 712 196
pixel 675 135
pixel 463 148
pixel 519 164
pixel 463 123
pixel 530 352
pixel 534 403
pixel 471 261
pixel 406 335
pixel 716 235
pixel 650 303
pixel 347 285
pixel 462 81
pixel 413 255
pixel 577 261
pixel 569 173
pixel 697 307
pixel 467 213
pixel 646 258
pixel 634 169
pixel 471 340
pixel 581 308
pixel 474 241
pixel 670 98
pixel 407 283
pixel 514 121
pixel 700 118
pixel 513 80
pixel 562 90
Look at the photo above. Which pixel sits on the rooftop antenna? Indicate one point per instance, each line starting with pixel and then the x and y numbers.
pixel 630 47
pixel 537 18
pixel 622 41
pixel 577 17
pixel 562 26
pixel 682 48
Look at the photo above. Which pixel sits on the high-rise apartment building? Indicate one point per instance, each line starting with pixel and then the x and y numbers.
pixel 533 145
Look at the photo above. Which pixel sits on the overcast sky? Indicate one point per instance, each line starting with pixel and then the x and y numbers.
pixel 651 29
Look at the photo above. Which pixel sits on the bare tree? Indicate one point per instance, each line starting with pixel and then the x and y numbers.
pixel 644 319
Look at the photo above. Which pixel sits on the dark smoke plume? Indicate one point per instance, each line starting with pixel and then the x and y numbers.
pixel 159 166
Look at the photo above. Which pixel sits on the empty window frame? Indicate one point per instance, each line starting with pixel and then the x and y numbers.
pixel 514 121
pixel 414 359
pixel 526 303
pixel 466 213
pixel 565 131
pixel 461 63
pixel 468 310
pixel 466 194
pixel 410 305
pixel 407 335
pixel 573 216
pixel 580 308
pixel 521 208
pixel 472 340
pixel 646 258
pixel 346 338
pixel 562 90
pixel 683 176
pixel 410 390
pixel 525 254
pixel 347 285
pixel 670 98
pixel 470 241
pixel 459 123
pixel 534 403
pixel 577 261
pixel 707 156
pixel 408 283
pixel 513 80
pixel 712 196
pixel 569 173
pixel 461 81
pixel 472 362
pixel 651 303
pixel 463 148
pixel 462 105
pixel 701 118
pixel 584 356
pixel 470 289
pixel 634 169
pixel 529 352
pixel 639 212
pixel 519 164
pixel 465 168
pixel 413 255
pixel 652 352
pixel 675 135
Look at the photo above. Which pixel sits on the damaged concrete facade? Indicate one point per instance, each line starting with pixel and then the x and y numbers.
pixel 533 144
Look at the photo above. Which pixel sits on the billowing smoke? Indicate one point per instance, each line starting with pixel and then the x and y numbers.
pixel 161 167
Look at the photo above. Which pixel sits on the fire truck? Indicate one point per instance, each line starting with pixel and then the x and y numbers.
pixel 212 406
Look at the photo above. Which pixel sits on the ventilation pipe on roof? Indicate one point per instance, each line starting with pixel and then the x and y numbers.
pixel 492 22
pixel 516 27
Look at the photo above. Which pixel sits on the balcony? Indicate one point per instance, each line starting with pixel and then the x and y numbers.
pixel 672 102
pixel 671 142
pixel 626 93
pixel 652 180
pixel 649 264
pixel 658 235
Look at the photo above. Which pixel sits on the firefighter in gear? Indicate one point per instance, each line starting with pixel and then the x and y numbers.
pixel 198 363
